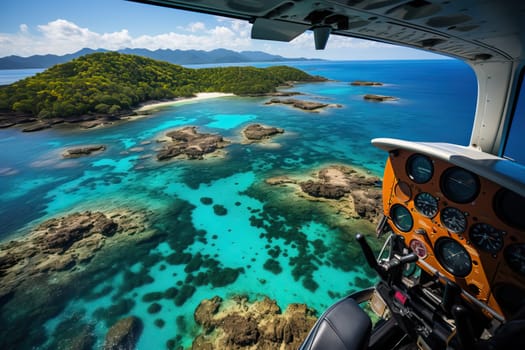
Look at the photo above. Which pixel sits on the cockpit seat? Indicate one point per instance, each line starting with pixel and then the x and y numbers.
pixel 344 326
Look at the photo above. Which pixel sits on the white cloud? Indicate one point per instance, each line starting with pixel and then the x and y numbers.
pixel 196 27
pixel 62 36
pixel 24 28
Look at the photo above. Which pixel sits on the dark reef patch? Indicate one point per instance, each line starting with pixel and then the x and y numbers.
pixel 310 284
pixel 273 266
pixel 154 308
pixel 184 294
pixel 178 258
pixel 275 252
pixel 170 293
pixel 194 264
pixel 224 277
pixel 112 314
pixel 206 200
pixel 220 210
pixel 133 280
pixel 153 296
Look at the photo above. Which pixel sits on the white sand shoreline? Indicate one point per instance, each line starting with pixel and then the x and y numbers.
pixel 199 96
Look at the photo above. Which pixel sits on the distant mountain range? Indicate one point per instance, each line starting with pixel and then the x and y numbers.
pixel 182 57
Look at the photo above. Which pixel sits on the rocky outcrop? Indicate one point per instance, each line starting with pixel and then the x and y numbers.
pixel 9 119
pixel 57 235
pixel 258 132
pixel 189 143
pixel 347 190
pixel 37 126
pixel 124 334
pixel 240 324
pixel 59 244
pixel 15 118
pixel 301 104
pixel 365 83
pixel 325 190
pixel 379 98
pixel 82 151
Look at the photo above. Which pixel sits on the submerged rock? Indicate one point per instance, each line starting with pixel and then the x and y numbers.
pixel 301 104
pixel 379 98
pixel 82 151
pixel 239 324
pixel 365 83
pixel 124 334
pixel 258 132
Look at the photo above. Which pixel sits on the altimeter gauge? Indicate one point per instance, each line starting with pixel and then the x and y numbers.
pixel 419 168
pixel 460 185
pixel 454 220
pixel 426 204
pixel 453 257
pixel 486 237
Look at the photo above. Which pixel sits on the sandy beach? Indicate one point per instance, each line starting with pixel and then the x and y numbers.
pixel 199 96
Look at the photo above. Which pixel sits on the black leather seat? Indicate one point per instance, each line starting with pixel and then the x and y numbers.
pixel 344 326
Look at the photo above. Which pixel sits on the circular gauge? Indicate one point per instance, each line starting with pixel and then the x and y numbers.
pixel 454 220
pixel 419 168
pixel 460 185
pixel 453 257
pixel 418 248
pixel 426 204
pixel 486 237
pixel 509 206
pixel 401 217
pixel 515 257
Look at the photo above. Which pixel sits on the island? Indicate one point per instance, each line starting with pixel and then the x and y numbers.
pixel 258 132
pixel 189 143
pixel 349 191
pixel 366 83
pixel 101 88
pixel 379 98
pixel 83 151
pixel 301 104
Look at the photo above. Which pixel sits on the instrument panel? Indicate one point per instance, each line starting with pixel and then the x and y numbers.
pixel 468 228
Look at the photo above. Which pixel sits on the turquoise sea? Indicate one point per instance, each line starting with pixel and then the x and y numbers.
pixel 317 259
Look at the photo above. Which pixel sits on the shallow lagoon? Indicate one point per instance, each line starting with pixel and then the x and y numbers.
pixel 313 258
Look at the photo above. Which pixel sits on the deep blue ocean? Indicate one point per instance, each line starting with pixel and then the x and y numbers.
pixel 436 102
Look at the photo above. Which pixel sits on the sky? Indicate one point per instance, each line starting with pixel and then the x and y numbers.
pixel 30 27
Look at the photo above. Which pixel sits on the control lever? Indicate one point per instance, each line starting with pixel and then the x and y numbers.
pixel 369 255
pixel 394 262
pixel 463 327
pixel 450 295
pixel 399 261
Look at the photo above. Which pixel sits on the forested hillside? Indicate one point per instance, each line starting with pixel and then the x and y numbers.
pixel 107 83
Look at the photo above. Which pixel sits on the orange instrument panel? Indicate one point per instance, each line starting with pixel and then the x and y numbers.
pixel 469 229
